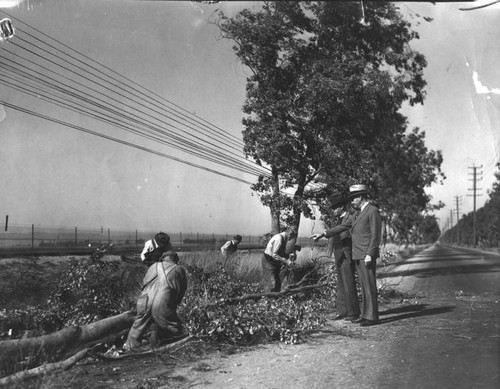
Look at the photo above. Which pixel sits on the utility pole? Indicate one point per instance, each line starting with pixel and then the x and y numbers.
pixel 458 198
pixel 474 195
pixel 451 225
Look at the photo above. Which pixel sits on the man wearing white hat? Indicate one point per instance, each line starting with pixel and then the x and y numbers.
pixel 366 232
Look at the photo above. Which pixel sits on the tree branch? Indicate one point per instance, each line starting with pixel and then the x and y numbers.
pixel 44 369
pixel 285 292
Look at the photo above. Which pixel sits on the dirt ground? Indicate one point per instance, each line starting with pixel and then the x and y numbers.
pixel 426 339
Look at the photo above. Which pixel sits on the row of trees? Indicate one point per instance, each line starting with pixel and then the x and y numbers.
pixel 325 86
pixel 487 220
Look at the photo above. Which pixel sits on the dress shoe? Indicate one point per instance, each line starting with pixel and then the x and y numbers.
pixel 358 320
pixel 338 317
pixel 368 323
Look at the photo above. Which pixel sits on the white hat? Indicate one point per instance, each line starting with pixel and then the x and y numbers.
pixel 357 190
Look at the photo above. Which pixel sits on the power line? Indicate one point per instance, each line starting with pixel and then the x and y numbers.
pixel 189 146
pixel 110 121
pixel 102 103
pixel 200 148
pixel 196 119
pixel 70 94
pixel 79 128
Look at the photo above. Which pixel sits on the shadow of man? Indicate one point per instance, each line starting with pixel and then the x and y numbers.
pixel 409 311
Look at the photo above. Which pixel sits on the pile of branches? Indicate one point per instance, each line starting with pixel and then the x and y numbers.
pixel 222 309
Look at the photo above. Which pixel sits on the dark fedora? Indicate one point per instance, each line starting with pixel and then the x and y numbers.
pixel 336 199
pixel 357 190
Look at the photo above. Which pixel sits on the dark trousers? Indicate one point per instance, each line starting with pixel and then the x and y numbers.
pixel 368 281
pixel 347 295
pixel 271 278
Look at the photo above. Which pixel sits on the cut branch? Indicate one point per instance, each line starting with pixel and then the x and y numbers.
pixel 283 293
pixel 147 352
pixel 44 369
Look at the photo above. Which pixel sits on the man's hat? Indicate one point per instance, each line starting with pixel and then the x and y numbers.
pixel 336 199
pixel 357 190
pixel 171 254
pixel 161 237
pixel 237 237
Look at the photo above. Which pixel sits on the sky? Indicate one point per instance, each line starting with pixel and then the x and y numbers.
pixel 56 175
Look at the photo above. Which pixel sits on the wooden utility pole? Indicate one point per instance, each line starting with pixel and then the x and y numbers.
pixel 458 198
pixel 451 225
pixel 474 195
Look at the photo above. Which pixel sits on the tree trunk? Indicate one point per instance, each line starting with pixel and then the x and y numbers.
pixel 24 353
pixel 275 206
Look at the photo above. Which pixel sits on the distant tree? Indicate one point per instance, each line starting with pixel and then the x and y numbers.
pixel 487 221
pixel 488 217
pixel 323 98
pixel 429 230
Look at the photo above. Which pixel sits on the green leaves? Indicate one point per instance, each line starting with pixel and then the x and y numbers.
pixel 327 81
pixel 287 319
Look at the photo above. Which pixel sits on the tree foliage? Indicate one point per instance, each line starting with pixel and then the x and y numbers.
pixel 323 95
pixel 487 222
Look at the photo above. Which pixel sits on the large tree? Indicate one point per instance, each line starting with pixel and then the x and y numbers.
pixel 326 82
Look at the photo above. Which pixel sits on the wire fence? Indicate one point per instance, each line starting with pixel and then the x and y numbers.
pixel 46 238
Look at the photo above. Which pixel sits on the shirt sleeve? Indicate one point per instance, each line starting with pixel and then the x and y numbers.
pixel 148 247
pixel 344 226
pixel 224 248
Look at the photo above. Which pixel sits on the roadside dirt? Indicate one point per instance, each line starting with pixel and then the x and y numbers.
pixel 427 339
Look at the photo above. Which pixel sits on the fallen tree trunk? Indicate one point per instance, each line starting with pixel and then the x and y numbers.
pixel 25 353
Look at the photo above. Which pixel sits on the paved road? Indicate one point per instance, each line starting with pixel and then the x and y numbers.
pixel 454 340
pixel 447 269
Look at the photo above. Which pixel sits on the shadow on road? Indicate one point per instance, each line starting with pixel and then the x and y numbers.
pixel 410 311
pixel 443 270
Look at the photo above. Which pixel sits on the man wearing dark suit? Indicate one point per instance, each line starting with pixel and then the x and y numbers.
pixel 341 245
pixel 366 232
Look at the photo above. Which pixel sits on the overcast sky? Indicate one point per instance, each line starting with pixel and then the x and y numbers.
pixel 55 175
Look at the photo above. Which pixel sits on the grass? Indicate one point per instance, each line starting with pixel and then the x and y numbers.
pixel 244 265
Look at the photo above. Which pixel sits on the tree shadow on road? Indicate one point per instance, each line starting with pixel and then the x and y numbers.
pixel 443 271
pixel 409 311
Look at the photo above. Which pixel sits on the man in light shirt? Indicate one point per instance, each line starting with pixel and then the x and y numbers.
pixel 230 246
pixel 275 258
pixel 155 248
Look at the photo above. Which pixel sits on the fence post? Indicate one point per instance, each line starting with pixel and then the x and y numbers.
pixel 76 236
pixel 180 238
pixel 32 236
pixel 6 222
pixel 108 236
pixel 135 238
